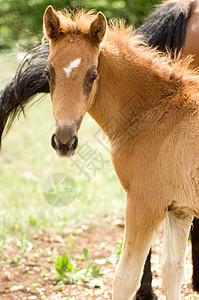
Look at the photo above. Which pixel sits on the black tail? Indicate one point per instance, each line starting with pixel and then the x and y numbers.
pixel 166 27
pixel 28 81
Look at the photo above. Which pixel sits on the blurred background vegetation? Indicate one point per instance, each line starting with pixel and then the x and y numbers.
pixel 21 20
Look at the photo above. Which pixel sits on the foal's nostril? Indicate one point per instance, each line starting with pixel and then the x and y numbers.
pixel 69 146
pixel 73 143
pixel 55 142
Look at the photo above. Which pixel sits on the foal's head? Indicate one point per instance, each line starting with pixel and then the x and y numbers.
pixel 72 71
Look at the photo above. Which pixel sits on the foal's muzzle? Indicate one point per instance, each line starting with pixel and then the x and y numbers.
pixel 67 149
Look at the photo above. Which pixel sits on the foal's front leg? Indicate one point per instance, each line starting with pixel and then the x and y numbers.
pixel 139 232
pixel 177 228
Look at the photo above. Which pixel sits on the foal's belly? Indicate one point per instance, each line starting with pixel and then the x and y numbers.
pixel 161 170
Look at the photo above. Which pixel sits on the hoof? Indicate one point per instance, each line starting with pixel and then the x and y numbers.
pixel 150 296
pixel 196 286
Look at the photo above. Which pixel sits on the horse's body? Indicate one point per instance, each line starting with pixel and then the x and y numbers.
pixel 149 109
pixel 173 24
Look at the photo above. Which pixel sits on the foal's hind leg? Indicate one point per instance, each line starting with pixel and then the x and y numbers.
pixel 177 228
pixel 139 232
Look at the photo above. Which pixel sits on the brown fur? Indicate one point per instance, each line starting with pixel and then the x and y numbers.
pixel 148 106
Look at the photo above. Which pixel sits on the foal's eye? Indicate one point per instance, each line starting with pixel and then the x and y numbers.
pixel 94 76
pixel 47 74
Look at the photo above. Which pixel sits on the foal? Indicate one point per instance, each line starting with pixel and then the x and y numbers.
pixel 148 107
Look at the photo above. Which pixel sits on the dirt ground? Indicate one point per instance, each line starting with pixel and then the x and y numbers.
pixel 32 277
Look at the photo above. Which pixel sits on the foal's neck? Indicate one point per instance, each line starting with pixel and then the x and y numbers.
pixel 127 88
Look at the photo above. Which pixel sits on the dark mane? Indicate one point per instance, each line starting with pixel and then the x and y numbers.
pixel 27 82
pixel 166 27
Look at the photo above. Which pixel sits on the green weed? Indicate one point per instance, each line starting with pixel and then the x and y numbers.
pixel 71 243
pixel 15 260
pixel 114 258
pixel 24 244
pixel 68 273
pixel 35 284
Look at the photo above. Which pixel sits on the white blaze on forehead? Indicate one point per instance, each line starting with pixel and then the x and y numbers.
pixel 73 64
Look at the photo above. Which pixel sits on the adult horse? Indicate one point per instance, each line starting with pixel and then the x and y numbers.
pixel 148 106
pixel 167 26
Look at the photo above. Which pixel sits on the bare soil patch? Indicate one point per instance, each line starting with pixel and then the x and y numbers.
pixel 32 277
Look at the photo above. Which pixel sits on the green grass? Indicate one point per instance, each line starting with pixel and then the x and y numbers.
pixel 27 159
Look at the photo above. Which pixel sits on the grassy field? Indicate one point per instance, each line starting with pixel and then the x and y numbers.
pixel 27 159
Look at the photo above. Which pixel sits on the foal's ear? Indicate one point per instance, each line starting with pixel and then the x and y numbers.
pixel 98 28
pixel 51 23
